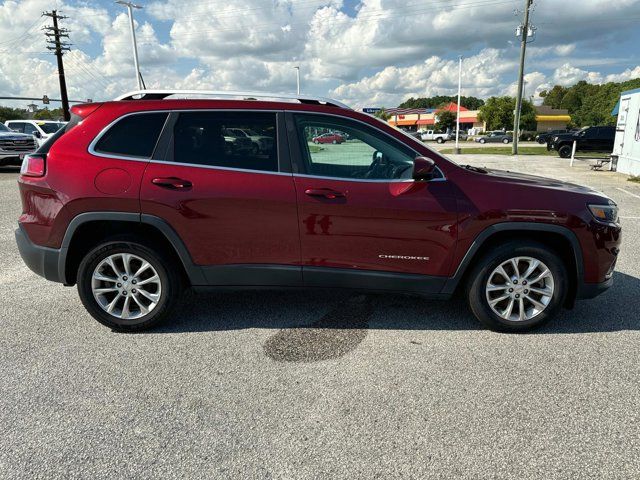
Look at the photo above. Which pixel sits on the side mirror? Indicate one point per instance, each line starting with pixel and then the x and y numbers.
pixel 37 134
pixel 423 168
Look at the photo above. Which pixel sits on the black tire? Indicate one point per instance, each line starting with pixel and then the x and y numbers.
pixel 481 272
pixel 565 151
pixel 505 141
pixel 440 140
pixel 168 273
pixel 483 141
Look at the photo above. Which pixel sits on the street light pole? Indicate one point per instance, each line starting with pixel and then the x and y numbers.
pixel 130 6
pixel 458 113
pixel 298 79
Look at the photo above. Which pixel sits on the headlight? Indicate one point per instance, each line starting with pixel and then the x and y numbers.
pixel 605 213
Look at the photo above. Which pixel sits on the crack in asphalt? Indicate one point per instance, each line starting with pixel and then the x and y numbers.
pixel 334 335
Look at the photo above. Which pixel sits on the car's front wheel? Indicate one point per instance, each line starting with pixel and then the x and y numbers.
pixel 517 286
pixel 483 141
pixel 505 141
pixel 565 151
pixel 127 286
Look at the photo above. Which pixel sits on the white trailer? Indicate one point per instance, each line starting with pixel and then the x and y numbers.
pixel 626 149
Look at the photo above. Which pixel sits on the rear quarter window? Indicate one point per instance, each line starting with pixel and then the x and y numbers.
pixel 133 136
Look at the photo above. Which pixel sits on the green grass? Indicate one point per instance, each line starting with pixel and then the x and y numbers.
pixel 633 179
pixel 528 150
pixel 498 150
pixel 315 148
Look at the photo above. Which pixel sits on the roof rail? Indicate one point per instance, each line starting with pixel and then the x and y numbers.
pixel 162 94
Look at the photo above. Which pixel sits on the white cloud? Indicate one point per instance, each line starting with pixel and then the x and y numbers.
pixel 383 53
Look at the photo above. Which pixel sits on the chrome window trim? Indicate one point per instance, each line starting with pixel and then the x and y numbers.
pixel 214 167
pixel 368 180
pixel 443 178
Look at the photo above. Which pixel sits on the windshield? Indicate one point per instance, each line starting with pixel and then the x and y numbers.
pixel 3 128
pixel 51 127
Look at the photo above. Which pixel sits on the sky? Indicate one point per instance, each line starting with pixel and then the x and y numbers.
pixel 369 53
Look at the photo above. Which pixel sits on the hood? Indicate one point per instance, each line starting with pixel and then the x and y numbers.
pixel 536 181
pixel 15 136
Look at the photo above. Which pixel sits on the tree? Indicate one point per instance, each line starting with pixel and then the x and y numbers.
pixel 46 114
pixel 553 98
pixel 382 114
pixel 445 120
pixel 472 103
pixel 588 104
pixel 497 112
pixel 7 113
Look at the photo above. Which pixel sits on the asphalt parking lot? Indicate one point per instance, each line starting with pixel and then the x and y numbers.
pixel 288 385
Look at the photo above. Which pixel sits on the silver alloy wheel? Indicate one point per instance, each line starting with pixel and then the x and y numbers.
pixel 520 288
pixel 126 286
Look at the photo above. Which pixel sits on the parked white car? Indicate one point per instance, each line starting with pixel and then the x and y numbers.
pixel 41 129
pixel 431 135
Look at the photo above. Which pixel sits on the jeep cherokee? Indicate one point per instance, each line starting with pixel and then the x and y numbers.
pixel 141 197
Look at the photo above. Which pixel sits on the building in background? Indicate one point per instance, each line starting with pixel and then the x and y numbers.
pixel 626 147
pixel 416 119
pixel 548 118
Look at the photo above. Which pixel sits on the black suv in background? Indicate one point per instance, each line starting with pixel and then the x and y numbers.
pixel 546 136
pixel 588 139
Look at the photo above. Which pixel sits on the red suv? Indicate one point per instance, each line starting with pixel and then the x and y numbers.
pixel 141 197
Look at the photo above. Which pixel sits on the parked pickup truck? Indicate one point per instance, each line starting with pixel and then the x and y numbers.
pixel 14 146
pixel 431 135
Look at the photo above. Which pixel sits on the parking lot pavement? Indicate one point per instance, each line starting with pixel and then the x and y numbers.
pixel 288 385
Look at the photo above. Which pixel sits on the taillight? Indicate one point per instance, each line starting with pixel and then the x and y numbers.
pixel 33 165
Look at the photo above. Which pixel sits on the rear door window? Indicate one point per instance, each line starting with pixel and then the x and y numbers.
pixel 135 135
pixel 219 139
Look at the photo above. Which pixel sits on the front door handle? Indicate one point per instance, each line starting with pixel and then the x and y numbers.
pixel 172 183
pixel 324 192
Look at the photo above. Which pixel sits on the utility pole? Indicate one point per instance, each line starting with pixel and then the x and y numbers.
pixel 458 112
pixel 298 79
pixel 54 35
pixel 130 6
pixel 523 31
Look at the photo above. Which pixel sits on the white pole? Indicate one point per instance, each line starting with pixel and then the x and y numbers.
pixel 573 153
pixel 458 114
pixel 298 79
pixel 136 65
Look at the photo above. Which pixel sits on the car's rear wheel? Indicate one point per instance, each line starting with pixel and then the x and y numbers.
pixel 334 142
pixel 127 286
pixel 517 286
pixel 483 141
pixel 440 140
pixel 506 140
pixel 565 151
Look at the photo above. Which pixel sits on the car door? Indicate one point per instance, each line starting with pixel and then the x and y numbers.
pixel 234 209
pixel 362 218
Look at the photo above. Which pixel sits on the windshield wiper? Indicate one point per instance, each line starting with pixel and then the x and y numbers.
pixel 475 169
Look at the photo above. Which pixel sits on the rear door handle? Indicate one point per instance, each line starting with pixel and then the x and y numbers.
pixel 324 192
pixel 172 183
